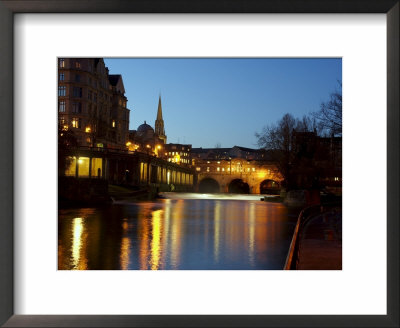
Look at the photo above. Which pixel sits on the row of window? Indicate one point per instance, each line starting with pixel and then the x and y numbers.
pixel 76 91
pixel 222 169
pixel 76 63
pixel 176 160
pixel 178 153
pixel 76 122
pixel 61 77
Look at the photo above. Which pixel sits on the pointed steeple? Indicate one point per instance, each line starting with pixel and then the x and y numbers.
pixel 159 111
pixel 159 125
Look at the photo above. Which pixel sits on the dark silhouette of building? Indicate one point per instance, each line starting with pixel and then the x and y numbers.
pixel 149 140
pixel 92 103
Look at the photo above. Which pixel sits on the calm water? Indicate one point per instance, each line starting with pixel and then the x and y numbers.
pixel 187 231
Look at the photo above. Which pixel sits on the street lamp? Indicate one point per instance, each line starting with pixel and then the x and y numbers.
pixel 158 148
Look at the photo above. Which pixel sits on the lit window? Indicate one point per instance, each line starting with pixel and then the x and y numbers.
pixel 62 90
pixel 62 63
pixel 218 162
pixel 77 64
pixel 208 162
pixel 218 169
pixel 76 123
pixel 223 169
pixel 113 123
pixel 228 169
pixel 208 169
pixel 248 169
pixel 61 76
pixel 88 129
pixel 61 106
pixel 253 169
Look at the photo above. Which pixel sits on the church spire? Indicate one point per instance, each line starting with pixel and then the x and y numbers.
pixel 159 125
pixel 159 111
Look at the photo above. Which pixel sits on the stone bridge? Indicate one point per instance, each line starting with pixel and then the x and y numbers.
pixel 238 176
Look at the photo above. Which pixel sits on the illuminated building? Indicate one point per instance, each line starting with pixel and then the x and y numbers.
pixel 178 153
pixel 92 103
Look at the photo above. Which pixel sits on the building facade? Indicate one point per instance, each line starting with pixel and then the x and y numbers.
pixel 92 103
pixel 178 153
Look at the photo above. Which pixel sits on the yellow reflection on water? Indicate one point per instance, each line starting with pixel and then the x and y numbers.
pixel 125 250
pixel 143 231
pixel 252 223
pixel 175 236
pixel 79 261
pixel 217 223
pixel 155 242
pixel 165 237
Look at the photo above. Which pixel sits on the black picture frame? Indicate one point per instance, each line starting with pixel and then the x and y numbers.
pixel 10 7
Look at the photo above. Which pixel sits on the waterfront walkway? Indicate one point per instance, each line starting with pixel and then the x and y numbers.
pixel 320 245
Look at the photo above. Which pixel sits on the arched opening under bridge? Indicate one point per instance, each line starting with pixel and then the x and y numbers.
pixel 238 186
pixel 209 185
pixel 270 187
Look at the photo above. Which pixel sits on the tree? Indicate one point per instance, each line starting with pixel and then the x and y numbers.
pixel 66 141
pixel 277 138
pixel 291 145
pixel 330 113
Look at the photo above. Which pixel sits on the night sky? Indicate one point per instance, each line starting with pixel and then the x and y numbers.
pixel 224 101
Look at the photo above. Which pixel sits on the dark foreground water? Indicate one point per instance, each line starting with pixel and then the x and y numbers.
pixel 187 231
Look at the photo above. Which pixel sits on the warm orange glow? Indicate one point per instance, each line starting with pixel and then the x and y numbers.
pixel 148 146
pixel 158 147
pixel 87 130
pixel 125 252
pixel 79 260
pixel 155 243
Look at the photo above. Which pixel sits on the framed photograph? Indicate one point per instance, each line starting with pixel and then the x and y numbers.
pixel 192 173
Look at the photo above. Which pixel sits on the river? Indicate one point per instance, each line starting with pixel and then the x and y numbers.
pixel 184 231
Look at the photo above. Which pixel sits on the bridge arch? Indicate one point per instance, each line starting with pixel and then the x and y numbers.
pixel 238 186
pixel 209 185
pixel 270 187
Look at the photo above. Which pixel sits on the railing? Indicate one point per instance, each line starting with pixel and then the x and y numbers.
pixel 304 216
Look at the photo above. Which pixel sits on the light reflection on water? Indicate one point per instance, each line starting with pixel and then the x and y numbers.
pixel 177 233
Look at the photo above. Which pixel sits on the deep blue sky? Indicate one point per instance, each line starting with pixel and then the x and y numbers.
pixel 210 101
